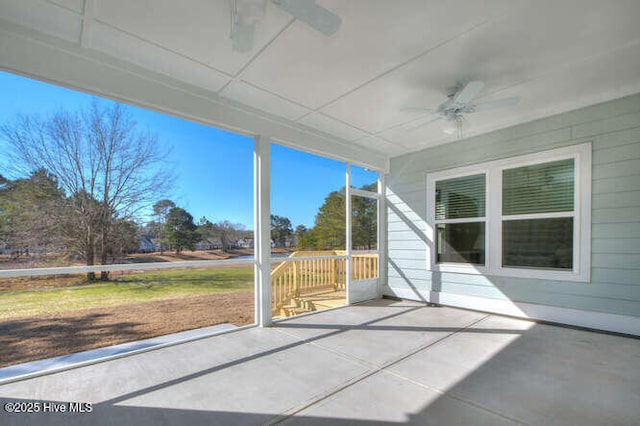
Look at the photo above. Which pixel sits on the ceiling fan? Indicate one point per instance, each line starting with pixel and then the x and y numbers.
pixel 459 102
pixel 245 14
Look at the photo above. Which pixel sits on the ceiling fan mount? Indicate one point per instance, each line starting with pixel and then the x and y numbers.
pixel 246 14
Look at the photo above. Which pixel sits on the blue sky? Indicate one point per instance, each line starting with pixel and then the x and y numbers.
pixel 213 168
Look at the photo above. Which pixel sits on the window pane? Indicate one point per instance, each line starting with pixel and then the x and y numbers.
pixel 307 203
pixel 461 197
pixel 308 219
pixel 364 223
pixel 542 188
pixel 460 242
pixel 364 237
pixel 538 243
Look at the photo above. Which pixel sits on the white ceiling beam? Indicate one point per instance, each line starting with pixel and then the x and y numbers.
pixel 32 54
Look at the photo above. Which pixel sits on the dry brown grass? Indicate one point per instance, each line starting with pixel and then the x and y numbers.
pixel 52 334
pixel 41 337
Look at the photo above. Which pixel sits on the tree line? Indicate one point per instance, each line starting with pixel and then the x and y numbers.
pixel 329 230
pixel 88 175
pixel 173 228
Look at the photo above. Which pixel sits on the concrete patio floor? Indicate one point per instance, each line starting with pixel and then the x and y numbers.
pixel 384 362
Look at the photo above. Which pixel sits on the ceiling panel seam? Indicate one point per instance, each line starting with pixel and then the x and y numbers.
pixel 403 125
pixel 362 141
pixel 262 89
pixel 88 14
pixel 159 46
pixel 64 7
pixel 254 57
pixel 335 119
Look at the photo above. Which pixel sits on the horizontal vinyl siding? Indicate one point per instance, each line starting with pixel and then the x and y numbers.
pixel 617 169
pixel 617 246
pixel 615 199
pixel 614 130
pixel 615 215
pixel 615 230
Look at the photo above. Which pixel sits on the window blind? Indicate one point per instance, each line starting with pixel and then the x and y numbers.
pixel 463 197
pixel 541 188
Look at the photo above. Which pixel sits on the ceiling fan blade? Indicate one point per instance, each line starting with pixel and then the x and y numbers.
pixel 469 92
pixel 315 16
pixel 494 104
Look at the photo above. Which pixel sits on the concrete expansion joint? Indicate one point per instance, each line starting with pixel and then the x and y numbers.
pixel 374 369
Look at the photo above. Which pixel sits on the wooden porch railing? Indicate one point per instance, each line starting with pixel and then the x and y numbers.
pixel 364 266
pixel 291 278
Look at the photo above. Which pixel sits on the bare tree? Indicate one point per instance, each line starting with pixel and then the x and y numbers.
pixel 228 232
pixel 106 166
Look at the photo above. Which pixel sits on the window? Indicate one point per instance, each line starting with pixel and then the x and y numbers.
pixel 526 216
pixel 537 215
pixel 460 219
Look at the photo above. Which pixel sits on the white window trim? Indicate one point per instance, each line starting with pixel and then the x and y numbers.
pixel 450 174
pixel 493 216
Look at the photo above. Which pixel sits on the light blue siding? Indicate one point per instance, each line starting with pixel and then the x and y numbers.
pixel 614 130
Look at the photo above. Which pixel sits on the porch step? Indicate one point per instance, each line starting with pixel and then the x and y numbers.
pixel 293 311
pixel 327 300
pixel 313 301
pixel 319 292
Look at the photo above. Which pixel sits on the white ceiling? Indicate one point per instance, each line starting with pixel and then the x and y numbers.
pixel 557 55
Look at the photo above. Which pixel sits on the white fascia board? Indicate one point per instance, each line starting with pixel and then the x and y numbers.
pixel 42 57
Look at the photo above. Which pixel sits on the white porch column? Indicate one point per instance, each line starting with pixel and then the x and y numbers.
pixel 262 230
pixel 382 233
pixel 347 194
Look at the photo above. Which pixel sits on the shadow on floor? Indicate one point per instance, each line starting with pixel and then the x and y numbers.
pixel 494 371
pixel 142 416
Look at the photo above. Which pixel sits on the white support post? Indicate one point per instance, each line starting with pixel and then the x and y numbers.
pixel 347 194
pixel 382 234
pixel 262 231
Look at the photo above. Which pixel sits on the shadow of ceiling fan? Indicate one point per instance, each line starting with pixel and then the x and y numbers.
pixel 459 103
pixel 245 14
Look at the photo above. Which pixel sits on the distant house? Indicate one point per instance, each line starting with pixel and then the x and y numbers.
pixel 245 243
pixel 147 245
pixel 208 244
pixel 4 248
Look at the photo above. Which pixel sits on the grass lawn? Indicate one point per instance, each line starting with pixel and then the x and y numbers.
pixel 125 289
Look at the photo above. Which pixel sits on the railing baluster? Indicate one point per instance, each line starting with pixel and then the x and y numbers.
pixel 326 273
pixel 356 265
pixel 315 270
